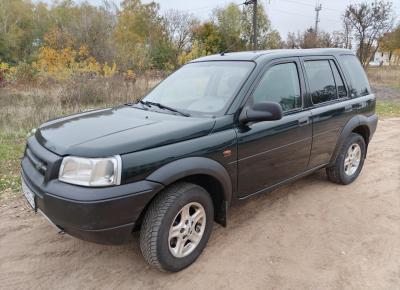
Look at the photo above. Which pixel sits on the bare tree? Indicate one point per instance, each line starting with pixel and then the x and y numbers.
pixel 179 27
pixel 291 41
pixel 368 22
pixel 309 39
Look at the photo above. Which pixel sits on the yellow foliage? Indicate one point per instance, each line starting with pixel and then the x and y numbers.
pixel 66 62
pixel 4 67
pixel 83 51
pixel 109 71
pixel 129 74
pixel 7 71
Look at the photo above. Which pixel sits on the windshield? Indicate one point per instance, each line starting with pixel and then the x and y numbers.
pixel 206 88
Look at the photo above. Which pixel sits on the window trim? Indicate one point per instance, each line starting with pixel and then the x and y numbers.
pixel 261 74
pixel 341 78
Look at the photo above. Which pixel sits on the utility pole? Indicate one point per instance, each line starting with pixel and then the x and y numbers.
pixel 255 25
pixel 254 38
pixel 317 10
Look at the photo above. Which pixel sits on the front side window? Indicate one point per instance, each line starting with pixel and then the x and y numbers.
pixel 205 88
pixel 321 81
pixel 280 84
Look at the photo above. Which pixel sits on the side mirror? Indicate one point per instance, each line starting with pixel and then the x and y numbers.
pixel 261 111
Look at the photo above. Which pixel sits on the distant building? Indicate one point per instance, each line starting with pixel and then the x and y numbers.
pixel 380 58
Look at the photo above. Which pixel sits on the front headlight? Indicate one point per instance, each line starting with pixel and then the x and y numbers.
pixel 91 171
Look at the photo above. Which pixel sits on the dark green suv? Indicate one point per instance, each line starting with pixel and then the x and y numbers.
pixel 219 130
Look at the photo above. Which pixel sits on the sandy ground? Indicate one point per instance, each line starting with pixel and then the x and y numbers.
pixel 311 234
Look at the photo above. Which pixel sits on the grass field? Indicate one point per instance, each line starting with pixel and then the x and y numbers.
pixel 23 108
pixel 386 76
pixel 11 148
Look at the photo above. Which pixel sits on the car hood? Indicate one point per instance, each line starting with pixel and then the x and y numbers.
pixel 118 130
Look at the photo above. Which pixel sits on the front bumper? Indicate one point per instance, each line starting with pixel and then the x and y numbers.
pixel 102 215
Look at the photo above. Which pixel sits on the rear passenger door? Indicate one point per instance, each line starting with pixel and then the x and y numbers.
pixel 331 105
pixel 272 151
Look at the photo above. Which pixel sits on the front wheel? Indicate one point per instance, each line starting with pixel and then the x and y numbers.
pixel 349 162
pixel 177 226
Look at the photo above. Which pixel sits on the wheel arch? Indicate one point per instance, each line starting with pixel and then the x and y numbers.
pixel 358 124
pixel 204 172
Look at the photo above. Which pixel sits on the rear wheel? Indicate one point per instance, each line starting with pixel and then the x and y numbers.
pixel 349 162
pixel 176 227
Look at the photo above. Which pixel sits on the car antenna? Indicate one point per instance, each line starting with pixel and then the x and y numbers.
pixel 222 53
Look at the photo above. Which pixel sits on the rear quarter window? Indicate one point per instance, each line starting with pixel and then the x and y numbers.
pixel 355 75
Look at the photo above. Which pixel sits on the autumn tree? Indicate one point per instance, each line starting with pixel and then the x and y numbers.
pixel 137 34
pixel 93 27
pixel 229 25
pixel 265 35
pixel 236 28
pixel 369 22
pixel 208 37
pixel 16 30
pixel 179 27
pixel 390 43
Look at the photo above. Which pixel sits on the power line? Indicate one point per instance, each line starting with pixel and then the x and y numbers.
pixel 208 7
pixel 302 15
pixel 310 5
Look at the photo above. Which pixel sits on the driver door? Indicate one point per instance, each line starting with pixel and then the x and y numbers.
pixel 270 152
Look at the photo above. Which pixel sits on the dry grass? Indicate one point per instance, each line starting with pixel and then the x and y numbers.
pixel 384 76
pixel 25 107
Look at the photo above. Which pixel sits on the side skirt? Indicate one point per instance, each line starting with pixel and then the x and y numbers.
pixel 283 182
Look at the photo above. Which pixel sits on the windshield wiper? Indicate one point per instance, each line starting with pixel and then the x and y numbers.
pixel 164 107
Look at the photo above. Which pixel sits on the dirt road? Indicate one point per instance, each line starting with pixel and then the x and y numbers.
pixel 311 234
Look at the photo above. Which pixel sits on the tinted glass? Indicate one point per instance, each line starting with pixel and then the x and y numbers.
pixel 202 87
pixel 280 84
pixel 320 79
pixel 339 81
pixel 355 75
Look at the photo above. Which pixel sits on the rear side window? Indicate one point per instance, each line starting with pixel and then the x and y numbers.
pixel 321 81
pixel 355 75
pixel 280 84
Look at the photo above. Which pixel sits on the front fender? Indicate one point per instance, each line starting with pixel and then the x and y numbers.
pixel 185 167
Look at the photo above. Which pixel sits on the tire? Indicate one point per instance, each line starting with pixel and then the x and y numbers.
pixel 167 209
pixel 338 172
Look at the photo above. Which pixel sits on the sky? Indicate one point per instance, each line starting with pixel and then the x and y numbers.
pixel 286 15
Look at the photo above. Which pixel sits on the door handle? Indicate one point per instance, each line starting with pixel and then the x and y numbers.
pixel 348 108
pixel 303 121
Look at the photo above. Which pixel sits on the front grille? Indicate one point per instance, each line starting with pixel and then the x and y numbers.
pixel 41 160
pixel 39 164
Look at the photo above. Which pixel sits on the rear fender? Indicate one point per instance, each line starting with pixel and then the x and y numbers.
pixel 353 123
